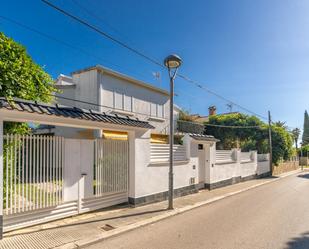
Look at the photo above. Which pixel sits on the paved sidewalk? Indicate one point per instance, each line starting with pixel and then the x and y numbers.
pixel 79 231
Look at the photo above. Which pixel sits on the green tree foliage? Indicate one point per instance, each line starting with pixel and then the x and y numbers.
pixel 296 133
pixel 185 116
pixel 304 150
pixel 232 138
pixel 21 77
pixel 250 138
pixel 305 137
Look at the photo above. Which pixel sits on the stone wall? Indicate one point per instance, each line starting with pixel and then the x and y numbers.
pixel 285 167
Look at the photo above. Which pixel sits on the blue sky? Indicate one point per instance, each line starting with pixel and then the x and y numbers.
pixel 255 53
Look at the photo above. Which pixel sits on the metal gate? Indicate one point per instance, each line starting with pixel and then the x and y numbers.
pixel 111 167
pixel 33 176
pixel 50 177
pixel 110 174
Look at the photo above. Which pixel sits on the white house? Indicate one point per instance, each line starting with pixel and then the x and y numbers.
pixel 102 89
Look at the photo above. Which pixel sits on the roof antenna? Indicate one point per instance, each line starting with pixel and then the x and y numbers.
pixel 230 107
pixel 157 76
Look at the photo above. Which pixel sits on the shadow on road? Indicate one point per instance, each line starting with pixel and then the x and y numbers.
pixel 306 176
pixel 301 242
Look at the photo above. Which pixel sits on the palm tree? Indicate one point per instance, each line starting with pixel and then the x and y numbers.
pixel 295 133
pixel 281 124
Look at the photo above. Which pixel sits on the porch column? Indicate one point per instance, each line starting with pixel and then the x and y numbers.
pixel 1 178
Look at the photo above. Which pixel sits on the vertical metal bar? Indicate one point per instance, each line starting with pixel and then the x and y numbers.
pixel 41 166
pixel 23 173
pixel 33 170
pixel 99 168
pixel 57 166
pixel 44 171
pixel 7 175
pixel 62 169
pixel 48 156
pixel 53 170
pixel 15 166
pixel 37 183
pixel 19 165
pixel 95 168
pixel 114 168
pixel 1 178
pixel 27 166
pixel 30 171
pixel 50 153
pixel 56 169
pixel 11 173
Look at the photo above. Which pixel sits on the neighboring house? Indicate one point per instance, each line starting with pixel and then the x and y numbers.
pixel 108 91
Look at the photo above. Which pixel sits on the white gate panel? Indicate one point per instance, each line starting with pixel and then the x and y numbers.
pixel 71 169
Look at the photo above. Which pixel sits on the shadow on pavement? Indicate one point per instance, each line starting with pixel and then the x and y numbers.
pixel 301 242
pixel 135 214
pixel 306 176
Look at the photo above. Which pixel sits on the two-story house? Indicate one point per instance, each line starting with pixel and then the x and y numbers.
pixel 104 90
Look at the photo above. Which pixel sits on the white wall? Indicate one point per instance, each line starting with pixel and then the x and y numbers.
pixel 263 164
pixel 227 170
pixel 120 94
pixel 153 178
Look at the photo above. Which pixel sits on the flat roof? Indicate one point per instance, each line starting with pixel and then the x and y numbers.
pixel 122 76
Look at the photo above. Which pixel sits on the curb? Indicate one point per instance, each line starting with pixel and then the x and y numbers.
pixel 127 228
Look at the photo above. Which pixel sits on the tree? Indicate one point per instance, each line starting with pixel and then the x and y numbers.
pixel 252 138
pixel 305 137
pixel 295 133
pixel 281 124
pixel 21 77
pixel 234 137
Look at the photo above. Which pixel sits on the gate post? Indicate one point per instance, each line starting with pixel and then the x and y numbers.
pixel 1 178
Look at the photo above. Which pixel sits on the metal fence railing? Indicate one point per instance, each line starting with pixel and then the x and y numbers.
pixel 33 172
pixel 224 156
pixel 160 152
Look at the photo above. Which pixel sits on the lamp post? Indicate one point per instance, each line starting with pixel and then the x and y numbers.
pixel 172 62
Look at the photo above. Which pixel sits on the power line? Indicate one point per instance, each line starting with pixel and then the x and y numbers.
pixel 154 61
pixel 103 33
pixel 64 43
pixel 227 126
pixel 99 18
pixel 235 126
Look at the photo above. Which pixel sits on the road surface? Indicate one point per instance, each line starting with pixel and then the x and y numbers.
pixel 275 215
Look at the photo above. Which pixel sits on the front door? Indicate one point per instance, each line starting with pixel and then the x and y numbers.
pixel 201 163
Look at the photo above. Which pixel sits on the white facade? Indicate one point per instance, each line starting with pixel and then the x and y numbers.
pixel 113 92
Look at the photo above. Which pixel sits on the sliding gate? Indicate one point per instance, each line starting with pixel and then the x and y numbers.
pixel 50 177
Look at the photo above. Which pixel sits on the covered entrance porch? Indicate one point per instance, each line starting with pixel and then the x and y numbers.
pixel 43 178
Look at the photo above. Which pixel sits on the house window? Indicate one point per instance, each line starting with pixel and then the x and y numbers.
pixel 160 111
pixel 118 101
pixel 127 103
pixel 153 109
pixel 200 147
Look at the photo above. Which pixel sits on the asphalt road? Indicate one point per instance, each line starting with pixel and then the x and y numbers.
pixel 275 215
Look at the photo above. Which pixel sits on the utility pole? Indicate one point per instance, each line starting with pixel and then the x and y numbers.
pixel 270 145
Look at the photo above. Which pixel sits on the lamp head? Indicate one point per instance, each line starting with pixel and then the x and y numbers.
pixel 172 61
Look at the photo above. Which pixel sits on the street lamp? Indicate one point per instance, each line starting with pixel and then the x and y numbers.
pixel 172 62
